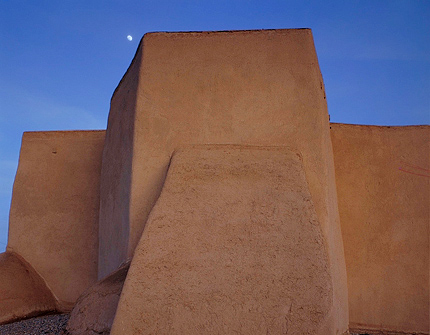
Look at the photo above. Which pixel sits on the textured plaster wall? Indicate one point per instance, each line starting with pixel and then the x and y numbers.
pixel 23 293
pixel 232 246
pixel 95 309
pixel 249 87
pixel 54 211
pixel 383 183
pixel 116 172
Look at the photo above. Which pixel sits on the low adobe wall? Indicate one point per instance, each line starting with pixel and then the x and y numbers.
pixel 23 293
pixel 261 88
pixel 54 212
pixel 382 177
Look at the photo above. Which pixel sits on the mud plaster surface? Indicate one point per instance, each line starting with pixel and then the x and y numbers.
pixel 233 245
pixel 383 184
pixel 54 211
pixel 95 309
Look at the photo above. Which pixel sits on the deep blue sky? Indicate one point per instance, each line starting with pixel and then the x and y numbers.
pixel 60 61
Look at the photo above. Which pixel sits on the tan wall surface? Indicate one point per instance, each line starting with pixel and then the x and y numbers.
pixel 95 309
pixel 23 293
pixel 54 212
pixel 246 87
pixel 232 246
pixel 115 180
pixel 382 176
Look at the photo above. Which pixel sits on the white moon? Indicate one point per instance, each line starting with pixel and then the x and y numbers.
pixel 129 37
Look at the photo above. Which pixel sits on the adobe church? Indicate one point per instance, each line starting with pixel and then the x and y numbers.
pixel 221 200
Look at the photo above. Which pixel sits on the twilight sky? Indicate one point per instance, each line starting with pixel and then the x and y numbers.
pixel 60 61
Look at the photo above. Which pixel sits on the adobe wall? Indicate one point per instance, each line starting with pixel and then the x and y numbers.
pixel 382 176
pixel 95 309
pixel 53 221
pixel 232 246
pixel 23 293
pixel 115 179
pixel 248 87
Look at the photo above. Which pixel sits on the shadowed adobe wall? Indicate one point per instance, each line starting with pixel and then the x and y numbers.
pixel 247 87
pixel 23 293
pixel 115 179
pixel 53 221
pixel 382 176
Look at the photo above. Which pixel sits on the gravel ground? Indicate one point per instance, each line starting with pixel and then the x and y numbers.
pixel 43 325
